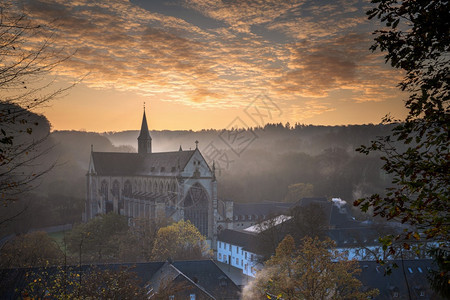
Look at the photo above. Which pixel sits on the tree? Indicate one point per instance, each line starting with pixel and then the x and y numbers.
pixel 99 239
pixel 23 87
pixel 51 283
pixel 270 233
pixel 309 220
pixel 416 39
pixel 35 249
pixel 137 243
pixel 298 191
pixel 178 241
pixel 112 284
pixel 90 283
pixel 313 271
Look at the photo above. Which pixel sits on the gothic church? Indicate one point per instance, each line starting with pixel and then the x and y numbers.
pixel 178 185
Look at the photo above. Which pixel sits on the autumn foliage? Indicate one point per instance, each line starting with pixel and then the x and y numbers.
pixel 312 271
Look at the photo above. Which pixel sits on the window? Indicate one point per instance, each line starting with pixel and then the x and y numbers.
pixel 223 282
pixel 171 297
pixel 104 190
pixel 196 207
pixel 245 255
pixel 220 256
pixel 237 261
pixel 192 296
pixel 116 188
pixel 229 247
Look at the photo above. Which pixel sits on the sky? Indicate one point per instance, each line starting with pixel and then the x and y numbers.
pixel 215 63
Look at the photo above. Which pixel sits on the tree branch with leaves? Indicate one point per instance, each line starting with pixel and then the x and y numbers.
pixel 416 39
pixel 27 60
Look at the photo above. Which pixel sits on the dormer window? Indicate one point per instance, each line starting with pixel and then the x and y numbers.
pixel 223 281
pixel 162 169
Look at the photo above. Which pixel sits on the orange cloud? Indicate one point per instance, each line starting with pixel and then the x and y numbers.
pixel 125 47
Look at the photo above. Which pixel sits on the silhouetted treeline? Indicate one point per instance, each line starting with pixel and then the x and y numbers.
pixel 274 163
pixel 279 156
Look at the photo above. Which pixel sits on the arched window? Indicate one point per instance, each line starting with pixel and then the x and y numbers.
pixel 116 188
pixel 155 187
pixel 94 187
pixel 161 188
pixel 127 189
pixel 104 190
pixel 196 208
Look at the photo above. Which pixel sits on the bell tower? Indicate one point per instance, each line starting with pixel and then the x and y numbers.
pixel 144 139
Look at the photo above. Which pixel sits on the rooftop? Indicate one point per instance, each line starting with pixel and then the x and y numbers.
pixel 130 164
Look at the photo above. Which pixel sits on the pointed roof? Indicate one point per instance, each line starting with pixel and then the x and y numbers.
pixel 133 164
pixel 144 134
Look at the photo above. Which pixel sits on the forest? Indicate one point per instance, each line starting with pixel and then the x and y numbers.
pixel 281 163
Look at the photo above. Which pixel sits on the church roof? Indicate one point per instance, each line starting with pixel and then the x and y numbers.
pixel 134 164
pixel 144 134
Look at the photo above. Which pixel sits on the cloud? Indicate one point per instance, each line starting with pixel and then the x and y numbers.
pixel 316 69
pixel 322 48
pixel 240 15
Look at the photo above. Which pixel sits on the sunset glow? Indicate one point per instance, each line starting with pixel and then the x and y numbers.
pixel 199 63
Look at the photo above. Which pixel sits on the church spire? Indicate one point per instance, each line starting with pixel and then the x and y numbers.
pixel 144 139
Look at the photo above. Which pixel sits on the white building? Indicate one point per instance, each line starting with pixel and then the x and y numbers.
pixel 238 249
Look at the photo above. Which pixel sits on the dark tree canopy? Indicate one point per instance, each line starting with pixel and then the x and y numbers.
pixel 26 61
pixel 416 39
pixel 311 271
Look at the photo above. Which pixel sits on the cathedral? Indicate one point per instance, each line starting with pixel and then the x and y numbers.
pixel 178 185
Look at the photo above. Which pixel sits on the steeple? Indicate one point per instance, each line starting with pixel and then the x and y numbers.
pixel 144 139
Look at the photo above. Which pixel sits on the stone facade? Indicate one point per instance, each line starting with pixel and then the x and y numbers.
pixel 178 185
